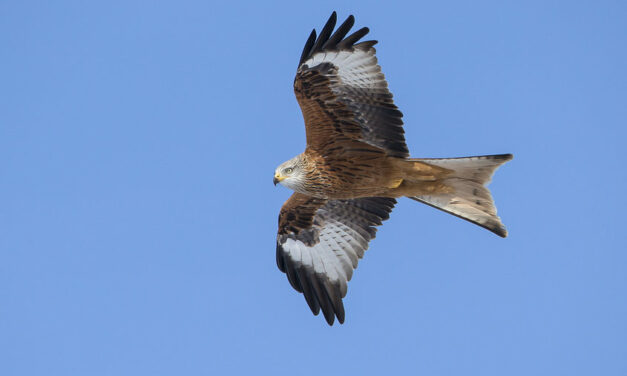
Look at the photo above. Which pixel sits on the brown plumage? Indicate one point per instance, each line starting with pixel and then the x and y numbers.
pixel 355 165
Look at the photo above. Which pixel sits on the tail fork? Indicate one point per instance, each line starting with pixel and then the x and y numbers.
pixel 468 196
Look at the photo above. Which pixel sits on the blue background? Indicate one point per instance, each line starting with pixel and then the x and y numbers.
pixel 137 227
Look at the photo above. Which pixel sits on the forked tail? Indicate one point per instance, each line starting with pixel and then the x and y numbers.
pixel 469 198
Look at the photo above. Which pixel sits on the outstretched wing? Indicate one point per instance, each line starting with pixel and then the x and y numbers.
pixel 319 243
pixel 344 96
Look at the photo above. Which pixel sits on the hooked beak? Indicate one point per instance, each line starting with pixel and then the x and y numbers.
pixel 277 179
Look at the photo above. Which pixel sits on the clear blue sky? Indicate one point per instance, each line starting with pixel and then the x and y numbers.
pixel 138 218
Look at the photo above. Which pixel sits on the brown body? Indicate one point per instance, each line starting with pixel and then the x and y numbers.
pixel 395 177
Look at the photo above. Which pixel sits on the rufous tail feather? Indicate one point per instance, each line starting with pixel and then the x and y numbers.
pixel 462 190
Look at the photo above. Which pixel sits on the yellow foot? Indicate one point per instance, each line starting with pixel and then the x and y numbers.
pixel 395 183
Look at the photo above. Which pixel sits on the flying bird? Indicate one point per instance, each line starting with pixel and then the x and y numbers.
pixel 354 167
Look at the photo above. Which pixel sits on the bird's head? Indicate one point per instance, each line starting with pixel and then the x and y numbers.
pixel 291 174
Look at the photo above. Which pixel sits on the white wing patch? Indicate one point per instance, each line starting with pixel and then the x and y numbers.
pixel 319 260
pixel 355 78
pixel 357 67
pixel 334 256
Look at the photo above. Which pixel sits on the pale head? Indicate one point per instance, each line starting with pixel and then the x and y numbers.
pixel 291 174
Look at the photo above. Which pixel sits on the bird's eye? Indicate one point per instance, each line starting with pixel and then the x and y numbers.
pixel 289 170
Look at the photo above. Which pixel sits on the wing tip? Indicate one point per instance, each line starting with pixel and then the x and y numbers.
pixel 307 48
pixel 326 41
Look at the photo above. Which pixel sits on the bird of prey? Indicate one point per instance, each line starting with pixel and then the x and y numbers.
pixel 354 167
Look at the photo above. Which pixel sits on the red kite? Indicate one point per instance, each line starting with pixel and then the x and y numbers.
pixel 355 165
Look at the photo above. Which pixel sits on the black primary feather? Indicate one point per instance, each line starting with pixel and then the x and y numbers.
pixel 327 42
pixel 339 34
pixel 325 33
